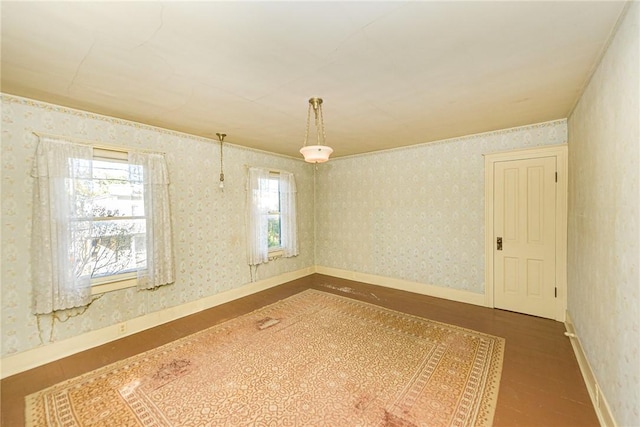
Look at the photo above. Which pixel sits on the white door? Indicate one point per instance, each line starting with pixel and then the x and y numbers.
pixel 525 236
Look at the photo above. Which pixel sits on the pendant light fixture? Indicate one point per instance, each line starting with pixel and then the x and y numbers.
pixel 221 139
pixel 316 153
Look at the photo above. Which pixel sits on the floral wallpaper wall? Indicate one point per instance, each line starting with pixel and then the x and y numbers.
pixel 603 223
pixel 415 213
pixel 208 223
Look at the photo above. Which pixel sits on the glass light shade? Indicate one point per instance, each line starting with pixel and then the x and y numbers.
pixel 316 153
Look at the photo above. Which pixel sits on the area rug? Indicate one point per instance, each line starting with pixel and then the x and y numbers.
pixel 313 359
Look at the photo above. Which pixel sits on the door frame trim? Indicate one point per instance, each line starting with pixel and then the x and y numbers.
pixel 560 152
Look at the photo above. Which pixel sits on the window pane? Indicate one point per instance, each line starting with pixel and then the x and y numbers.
pixel 109 235
pixel 272 199
pixel 273 234
pixel 113 193
pixel 110 247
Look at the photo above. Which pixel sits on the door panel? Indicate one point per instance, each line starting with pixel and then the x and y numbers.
pixel 535 278
pixel 524 216
pixel 511 276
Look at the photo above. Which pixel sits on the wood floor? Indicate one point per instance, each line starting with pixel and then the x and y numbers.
pixel 541 383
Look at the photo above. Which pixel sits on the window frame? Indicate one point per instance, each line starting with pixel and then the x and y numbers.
pixel 259 200
pixel 276 251
pixel 113 282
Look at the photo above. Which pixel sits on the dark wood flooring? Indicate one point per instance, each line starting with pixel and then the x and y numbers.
pixel 541 383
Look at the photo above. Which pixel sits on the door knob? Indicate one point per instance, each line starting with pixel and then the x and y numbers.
pixel 499 243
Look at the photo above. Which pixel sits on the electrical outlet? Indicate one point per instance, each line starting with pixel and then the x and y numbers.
pixel 122 328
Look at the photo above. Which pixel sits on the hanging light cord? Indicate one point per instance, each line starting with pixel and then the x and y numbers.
pixel 306 133
pixel 221 139
pixel 320 125
pixel 221 157
pixel 319 121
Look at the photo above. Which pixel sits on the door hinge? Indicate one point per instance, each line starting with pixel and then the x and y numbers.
pixel 556 292
pixel 556 176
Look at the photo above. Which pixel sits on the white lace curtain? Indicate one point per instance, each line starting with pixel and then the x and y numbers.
pixel 257 243
pixel 159 268
pixel 257 215
pixel 288 222
pixel 62 214
pixel 59 215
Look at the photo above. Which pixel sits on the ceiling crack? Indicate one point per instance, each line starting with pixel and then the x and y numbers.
pixel 156 31
pixel 75 75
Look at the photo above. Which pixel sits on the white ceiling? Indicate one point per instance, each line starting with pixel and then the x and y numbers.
pixel 391 73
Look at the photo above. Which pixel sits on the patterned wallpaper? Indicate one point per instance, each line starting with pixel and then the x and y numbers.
pixel 604 211
pixel 208 223
pixel 415 213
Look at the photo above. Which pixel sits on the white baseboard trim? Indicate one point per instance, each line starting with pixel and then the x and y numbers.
pixel 20 362
pixel 405 285
pixel 600 404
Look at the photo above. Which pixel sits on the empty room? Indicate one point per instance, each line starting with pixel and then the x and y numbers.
pixel 323 213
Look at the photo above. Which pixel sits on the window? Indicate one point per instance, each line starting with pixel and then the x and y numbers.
pixel 272 228
pixel 272 200
pixel 100 216
pixel 112 244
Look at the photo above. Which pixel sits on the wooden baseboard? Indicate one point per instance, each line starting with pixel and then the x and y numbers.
pixel 20 362
pixel 600 404
pixel 405 285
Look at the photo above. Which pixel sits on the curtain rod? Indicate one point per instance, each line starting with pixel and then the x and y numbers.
pixel 246 166
pixel 94 144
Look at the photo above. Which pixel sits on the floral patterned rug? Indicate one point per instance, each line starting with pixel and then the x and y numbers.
pixel 313 359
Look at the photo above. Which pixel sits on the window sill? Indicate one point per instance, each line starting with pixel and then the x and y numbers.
pixel 275 254
pixel 114 285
